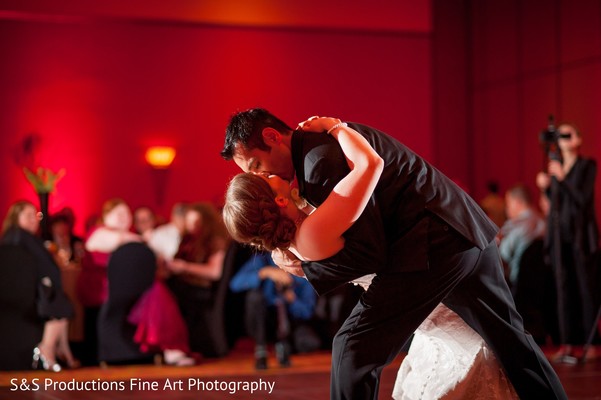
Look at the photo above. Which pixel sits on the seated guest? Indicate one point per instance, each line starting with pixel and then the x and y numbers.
pixel 92 286
pixel 196 267
pixel 113 232
pixel 68 250
pixel 160 326
pixel 164 240
pixel 20 228
pixel 68 246
pixel 277 305
pixel 523 226
pixel 145 221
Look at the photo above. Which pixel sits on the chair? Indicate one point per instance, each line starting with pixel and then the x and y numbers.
pixel 216 337
pixel 235 328
pixel 22 328
pixel 535 293
pixel 131 271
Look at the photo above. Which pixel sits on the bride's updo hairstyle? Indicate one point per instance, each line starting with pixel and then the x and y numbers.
pixel 252 216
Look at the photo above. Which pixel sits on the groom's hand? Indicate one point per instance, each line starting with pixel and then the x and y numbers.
pixel 288 262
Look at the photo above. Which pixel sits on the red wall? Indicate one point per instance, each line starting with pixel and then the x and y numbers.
pixel 471 96
pixel 451 106
pixel 98 92
pixel 499 69
pixel 530 61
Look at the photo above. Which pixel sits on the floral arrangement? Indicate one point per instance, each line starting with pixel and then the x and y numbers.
pixel 43 180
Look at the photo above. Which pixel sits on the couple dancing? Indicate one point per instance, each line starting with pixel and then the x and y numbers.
pixel 381 211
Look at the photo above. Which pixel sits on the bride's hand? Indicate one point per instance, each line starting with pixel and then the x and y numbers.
pixel 318 124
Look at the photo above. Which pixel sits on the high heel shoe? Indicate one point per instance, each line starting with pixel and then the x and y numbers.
pixel 39 357
pixel 177 358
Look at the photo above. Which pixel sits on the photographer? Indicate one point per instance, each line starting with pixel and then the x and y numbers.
pixel 572 237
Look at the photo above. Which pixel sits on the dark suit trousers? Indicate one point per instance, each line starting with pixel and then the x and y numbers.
pixel 469 281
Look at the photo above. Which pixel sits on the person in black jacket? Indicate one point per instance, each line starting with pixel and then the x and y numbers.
pixel 425 239
pixel 572 238
pixel 19 228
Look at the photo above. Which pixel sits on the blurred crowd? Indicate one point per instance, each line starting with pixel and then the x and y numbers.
pixel 206 292
pixel 201 292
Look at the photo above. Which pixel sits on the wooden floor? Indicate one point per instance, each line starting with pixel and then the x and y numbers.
pixel 232 377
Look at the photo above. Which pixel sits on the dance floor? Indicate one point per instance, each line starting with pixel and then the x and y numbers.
pixel 232 377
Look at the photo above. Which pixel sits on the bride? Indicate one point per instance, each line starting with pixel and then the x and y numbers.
pixel 263 210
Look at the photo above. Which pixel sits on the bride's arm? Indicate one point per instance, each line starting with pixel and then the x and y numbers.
pixel 320 235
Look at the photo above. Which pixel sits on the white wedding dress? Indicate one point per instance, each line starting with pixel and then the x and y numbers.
pixel 448 360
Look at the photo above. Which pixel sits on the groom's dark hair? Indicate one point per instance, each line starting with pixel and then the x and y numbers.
pixel 245 128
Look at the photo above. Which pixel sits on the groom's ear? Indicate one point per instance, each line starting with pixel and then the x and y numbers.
pixel 271 136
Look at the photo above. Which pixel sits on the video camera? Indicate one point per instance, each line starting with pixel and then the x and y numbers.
pixel 550 139
pixel 551 134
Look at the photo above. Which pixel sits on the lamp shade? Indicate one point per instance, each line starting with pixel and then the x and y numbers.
pixel 160 156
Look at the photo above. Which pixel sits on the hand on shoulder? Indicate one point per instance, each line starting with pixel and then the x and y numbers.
pixel 318 124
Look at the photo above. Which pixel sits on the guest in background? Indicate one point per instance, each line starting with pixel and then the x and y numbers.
pixel 278 305
pixel 196 267
pixel 114 231
pixel 493 204
pixel 572 237
pixel 69 251
pixel 69 247
pixel 524 224
pixel 92 286
pixel 20 228
pixel 164 240
pixel 528 275
pixel 145 221
pixel 160 326
pixel 157 314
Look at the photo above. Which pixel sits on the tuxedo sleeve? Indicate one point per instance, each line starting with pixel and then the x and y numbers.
pixel 364 251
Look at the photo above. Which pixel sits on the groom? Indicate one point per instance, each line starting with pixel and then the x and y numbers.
pixel 427 241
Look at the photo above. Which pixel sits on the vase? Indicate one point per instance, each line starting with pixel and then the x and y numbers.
pixel 44 224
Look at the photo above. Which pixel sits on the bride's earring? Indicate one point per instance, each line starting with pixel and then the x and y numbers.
pixel 299 201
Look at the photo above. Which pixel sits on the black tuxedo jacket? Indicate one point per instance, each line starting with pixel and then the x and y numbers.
pixel 392 233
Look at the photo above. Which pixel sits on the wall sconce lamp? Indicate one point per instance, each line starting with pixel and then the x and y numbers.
pixel 160 157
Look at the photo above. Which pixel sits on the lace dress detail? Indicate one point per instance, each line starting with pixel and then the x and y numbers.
pixel 449 360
